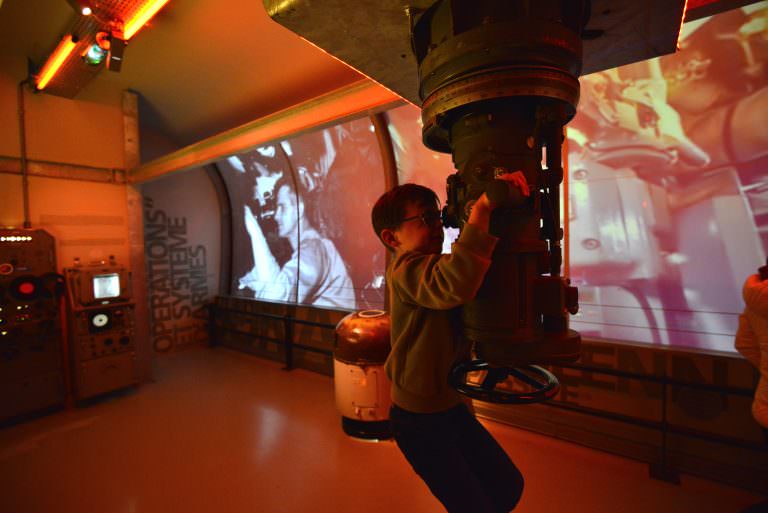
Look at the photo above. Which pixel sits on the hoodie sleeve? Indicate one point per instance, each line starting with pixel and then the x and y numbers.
pixel 755 293
pixel 441 282
pixel 746 341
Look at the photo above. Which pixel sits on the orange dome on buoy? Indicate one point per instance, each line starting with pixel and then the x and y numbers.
pixel 363 337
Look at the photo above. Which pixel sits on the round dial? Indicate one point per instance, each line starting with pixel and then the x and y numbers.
pixel 100 320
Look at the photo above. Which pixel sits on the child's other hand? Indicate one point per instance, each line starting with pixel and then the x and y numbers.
pixel 516 178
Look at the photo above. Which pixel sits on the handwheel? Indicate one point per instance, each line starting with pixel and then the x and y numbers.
pixel 542 384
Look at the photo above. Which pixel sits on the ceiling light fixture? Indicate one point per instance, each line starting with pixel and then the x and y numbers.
pixel 141 17
pixel 94 55
pixel 56 59
pixel 86 11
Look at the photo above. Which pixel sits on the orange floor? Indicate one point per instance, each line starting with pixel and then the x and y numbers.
pixel 226 432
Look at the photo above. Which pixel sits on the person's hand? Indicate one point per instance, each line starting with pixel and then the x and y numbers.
pixel 251 224
pixel 248 281
pixel 480 211
pixel 516 178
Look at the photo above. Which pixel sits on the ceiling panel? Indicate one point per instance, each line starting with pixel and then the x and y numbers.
pixel 202 66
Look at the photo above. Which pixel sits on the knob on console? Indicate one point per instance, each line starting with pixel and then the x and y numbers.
pixel 99 321
pixel 26 288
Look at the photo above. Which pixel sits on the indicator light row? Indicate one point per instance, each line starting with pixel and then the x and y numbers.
pixel 16 238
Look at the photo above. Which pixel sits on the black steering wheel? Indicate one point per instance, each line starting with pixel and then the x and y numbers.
pixel 540 384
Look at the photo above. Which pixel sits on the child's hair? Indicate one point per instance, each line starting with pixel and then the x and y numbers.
pixel 389 209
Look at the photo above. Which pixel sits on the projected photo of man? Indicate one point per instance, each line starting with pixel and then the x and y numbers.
pixel 314 273
pixel 340 174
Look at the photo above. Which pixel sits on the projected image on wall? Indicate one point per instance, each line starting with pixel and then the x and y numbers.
pixel 263 238
pixel 341 169
pixel 301 231
pixel 669 187
pixel 292 261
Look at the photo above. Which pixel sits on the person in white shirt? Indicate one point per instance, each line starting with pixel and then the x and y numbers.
pixel 314 275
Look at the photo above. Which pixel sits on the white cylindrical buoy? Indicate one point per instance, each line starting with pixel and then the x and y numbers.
pixel 361 385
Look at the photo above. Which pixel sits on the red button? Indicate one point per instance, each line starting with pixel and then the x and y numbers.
pixel 27 288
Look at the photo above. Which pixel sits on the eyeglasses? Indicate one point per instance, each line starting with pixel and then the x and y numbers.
pixel 429 218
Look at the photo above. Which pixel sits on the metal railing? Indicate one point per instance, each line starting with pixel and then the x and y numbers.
pixel 288 323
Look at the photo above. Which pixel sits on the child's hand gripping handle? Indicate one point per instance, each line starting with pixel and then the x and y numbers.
pixel 508 190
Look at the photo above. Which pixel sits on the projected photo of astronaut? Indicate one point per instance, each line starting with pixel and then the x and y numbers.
pixel 668 178
pixel 298 235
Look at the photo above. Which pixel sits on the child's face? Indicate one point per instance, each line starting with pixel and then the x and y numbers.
pixel 421 230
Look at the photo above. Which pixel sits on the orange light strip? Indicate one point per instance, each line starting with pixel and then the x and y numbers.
pixel 141 17
pixel 682 20
pixel 54 62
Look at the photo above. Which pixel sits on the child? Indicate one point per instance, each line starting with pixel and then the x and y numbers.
pixel 464 467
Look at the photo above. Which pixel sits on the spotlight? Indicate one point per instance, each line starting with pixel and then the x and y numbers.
pixel 98 51
pixel 86 11
pixel 95 55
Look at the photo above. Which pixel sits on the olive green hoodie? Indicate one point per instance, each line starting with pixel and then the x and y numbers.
pixel 424 293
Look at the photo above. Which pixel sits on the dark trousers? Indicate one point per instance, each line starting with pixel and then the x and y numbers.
pixel 464 467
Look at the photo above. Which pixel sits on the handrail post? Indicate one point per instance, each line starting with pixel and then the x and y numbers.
pixel 212 334
pixel 661 470
pixel 288 330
